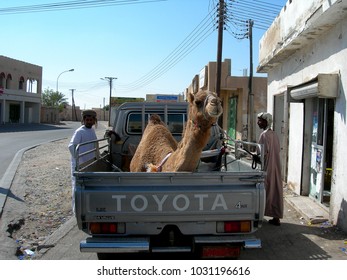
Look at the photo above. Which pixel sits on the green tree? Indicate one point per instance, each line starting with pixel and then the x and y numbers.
pixel 55 99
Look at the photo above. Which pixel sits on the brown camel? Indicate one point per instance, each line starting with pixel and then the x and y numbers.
pixel 159 151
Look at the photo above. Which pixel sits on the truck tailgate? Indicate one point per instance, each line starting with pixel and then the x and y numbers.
pixel 168 197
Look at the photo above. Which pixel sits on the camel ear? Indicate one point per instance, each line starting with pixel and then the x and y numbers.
pixel 191 97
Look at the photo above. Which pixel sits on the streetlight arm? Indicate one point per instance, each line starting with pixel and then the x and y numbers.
pixel 71 70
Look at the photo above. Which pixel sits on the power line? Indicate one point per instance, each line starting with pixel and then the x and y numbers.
pixel 69 5
pixel 192 41
pixel 269 9
pixel 237 14
pixel 263 3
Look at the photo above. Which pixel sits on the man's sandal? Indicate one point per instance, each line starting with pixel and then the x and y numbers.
pixel 275 222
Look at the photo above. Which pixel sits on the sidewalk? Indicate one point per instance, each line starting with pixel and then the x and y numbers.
pixel 310 210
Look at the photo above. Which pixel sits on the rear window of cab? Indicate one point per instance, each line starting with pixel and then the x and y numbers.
pixel 175 122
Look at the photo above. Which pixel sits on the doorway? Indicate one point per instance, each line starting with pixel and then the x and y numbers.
pixel 14 113
pixel 321 150
pixel 232 117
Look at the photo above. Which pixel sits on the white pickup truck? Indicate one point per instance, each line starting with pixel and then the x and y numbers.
pixel 212 212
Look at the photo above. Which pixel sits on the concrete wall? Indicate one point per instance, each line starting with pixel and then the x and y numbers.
pixel 298 23
pixel 309 38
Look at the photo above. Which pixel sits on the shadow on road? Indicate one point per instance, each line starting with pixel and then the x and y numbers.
pixel 9 194
pixel 290 241
pixel 31 127
pixel 298 242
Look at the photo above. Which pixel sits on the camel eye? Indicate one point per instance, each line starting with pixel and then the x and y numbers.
pixel 198 103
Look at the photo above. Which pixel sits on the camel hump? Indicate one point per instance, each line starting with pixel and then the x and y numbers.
pixel 155 119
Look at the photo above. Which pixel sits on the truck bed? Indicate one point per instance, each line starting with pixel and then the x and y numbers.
pixel 194 206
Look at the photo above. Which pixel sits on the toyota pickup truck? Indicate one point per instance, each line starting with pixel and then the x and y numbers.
pixel 209 213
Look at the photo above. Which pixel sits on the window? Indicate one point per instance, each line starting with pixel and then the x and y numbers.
pixel 8 81
pixel 2 79
pixel 21 83
pixel 318 120
pixel 175 122
pixel 31 85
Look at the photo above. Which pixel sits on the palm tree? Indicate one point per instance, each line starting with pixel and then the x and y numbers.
pixel 55 99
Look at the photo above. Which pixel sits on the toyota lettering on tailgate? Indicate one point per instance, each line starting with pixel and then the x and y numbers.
pixel 176 203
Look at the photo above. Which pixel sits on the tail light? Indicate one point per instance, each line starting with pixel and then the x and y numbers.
pixel 106 228
pixel 234 226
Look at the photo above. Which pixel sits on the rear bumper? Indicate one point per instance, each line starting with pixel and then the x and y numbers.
pixel 115 245
pixel 245 241
pixel 138 245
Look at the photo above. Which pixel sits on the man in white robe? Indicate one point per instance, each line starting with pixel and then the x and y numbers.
pixel 84 133
pixel 272 166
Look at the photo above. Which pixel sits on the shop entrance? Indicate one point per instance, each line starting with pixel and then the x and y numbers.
pixel 321 149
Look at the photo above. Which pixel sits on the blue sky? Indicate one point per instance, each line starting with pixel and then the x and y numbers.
pixel 124 41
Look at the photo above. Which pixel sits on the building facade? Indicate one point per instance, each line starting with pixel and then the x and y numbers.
pixel 20 91
pixel 241 103
pixel 304 53
pixel 74 113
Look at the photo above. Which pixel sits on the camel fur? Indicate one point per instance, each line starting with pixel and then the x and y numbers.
pixel 159 151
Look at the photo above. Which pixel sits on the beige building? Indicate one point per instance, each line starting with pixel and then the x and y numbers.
pixel 72 113
pixel 240 106
pixel 304 53
pixel 20 91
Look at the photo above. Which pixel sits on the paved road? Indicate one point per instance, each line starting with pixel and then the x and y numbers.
pixel 15 137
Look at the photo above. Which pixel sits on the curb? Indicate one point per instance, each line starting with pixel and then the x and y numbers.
pixel 7 179
pixel 57 235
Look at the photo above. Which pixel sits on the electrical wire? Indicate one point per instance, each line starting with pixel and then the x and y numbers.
pixel 69 5
pixel 236 18
pixel 238 14
pixel 191 42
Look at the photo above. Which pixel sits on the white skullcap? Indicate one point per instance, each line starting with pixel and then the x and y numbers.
pixel 267 117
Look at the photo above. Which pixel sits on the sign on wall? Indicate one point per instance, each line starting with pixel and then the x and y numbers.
pixel 166 98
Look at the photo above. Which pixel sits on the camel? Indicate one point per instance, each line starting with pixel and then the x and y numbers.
pixel 159 151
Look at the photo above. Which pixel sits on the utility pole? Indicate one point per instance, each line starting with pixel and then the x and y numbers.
pixel 73 108
pixel 104 109
pixel 220 45
pixel 110 80
pixel 250 83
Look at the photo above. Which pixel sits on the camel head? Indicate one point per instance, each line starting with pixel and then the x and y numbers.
pixel 204 109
